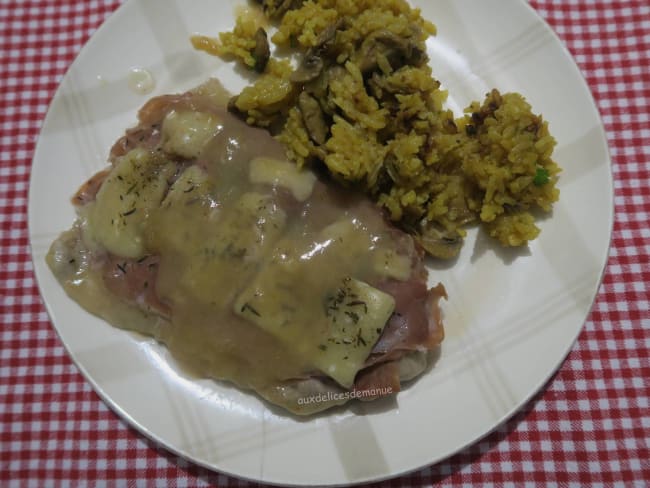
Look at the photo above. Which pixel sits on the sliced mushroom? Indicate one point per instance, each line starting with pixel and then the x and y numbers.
pixel 313 63
pixel 335 72
pixel 262 52
pixel 322 87
pixel 438 242
pixel 397 50
pixel 275 9
pixel 311 68
pixel 313 118
pixel 391 167
pixel 328 36
pixel 233 108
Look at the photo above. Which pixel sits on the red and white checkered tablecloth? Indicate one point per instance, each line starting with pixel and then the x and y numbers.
pixel 589 427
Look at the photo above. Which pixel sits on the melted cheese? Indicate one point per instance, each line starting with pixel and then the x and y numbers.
pixel 117 218
pixel 185 133
pixel 333 329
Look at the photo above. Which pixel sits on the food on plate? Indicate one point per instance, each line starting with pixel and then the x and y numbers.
pixel 276 238
pixel 249 269
pixel 362 101
pixel 248 42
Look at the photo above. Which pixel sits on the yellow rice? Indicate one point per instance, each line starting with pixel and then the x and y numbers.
pixel 389 133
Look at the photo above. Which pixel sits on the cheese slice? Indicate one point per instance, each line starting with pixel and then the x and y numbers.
pixel 186 133
pixel 334 327
pixel 117 217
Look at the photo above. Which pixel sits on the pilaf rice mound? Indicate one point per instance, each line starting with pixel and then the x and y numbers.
pixel 363 102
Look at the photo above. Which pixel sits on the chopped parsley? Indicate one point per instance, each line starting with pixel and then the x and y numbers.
pixel 541 177
pixel 249 307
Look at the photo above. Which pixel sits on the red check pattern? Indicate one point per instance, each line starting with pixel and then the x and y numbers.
pixel 589 427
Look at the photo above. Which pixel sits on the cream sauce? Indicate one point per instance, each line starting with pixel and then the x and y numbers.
pixel 141 81
pixel 253 279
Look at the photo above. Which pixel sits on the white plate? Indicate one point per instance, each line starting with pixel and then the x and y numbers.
pixel 511 317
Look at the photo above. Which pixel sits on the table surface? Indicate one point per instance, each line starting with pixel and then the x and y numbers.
pixel 590 425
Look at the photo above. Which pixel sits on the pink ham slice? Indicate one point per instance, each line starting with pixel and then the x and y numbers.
pixel 87 192
pixel 416 323
pixel 134 281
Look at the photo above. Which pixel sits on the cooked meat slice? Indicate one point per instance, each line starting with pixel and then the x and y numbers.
pixel 134 280
pixel 88 191
pixel 141 136
pixel 416 323
pixel 246 268
pixel 379 378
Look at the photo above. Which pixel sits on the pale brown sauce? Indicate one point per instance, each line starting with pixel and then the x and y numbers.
pixel 209 252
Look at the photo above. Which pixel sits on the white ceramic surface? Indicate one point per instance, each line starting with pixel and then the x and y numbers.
pixel 511 317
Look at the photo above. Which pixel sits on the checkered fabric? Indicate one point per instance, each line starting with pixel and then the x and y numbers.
pixel 590 426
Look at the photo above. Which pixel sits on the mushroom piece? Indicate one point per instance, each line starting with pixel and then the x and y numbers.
pixel 328 36
pixel 335 72
pixel 438 242
pixel 233 108
pixel 261 53
pixel 313 62
pixel 392 168
pixel 396 50
pixel 275 9
pixel 311 68
pixel 313 118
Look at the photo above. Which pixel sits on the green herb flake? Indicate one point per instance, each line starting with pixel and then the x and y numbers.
pixel 541 177
pixel 249 307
